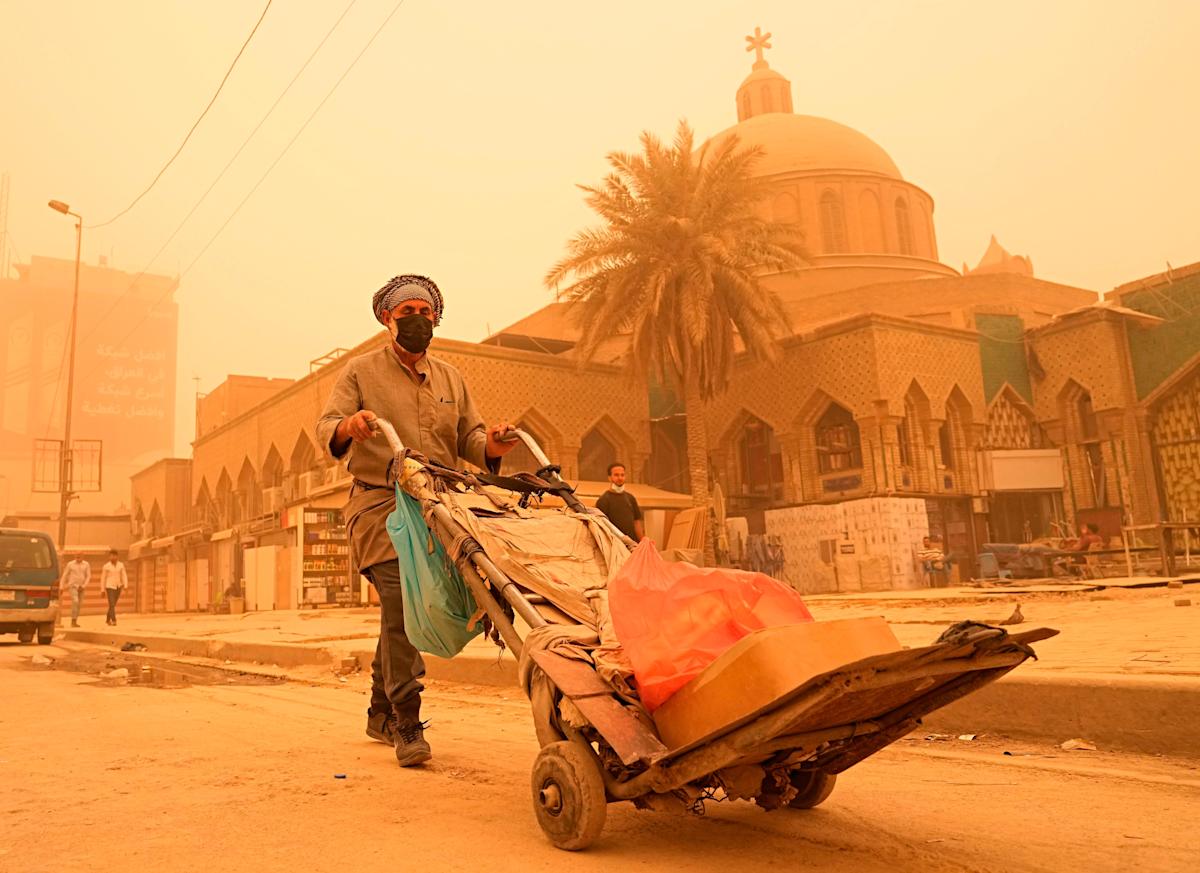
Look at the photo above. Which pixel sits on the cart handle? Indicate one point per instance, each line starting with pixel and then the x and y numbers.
pixel 512 435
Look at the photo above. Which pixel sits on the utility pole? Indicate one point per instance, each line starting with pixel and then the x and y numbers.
pixel 66 472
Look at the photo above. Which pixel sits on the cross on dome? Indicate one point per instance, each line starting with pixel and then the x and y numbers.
pixel 757 43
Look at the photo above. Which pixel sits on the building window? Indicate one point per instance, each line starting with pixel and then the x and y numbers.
pixel 833 223
pixel 761 461
pixel 946 441
pixel 1089 429
pixel 903 227
pixel 596 452
pixel 838 446
pixel 906 454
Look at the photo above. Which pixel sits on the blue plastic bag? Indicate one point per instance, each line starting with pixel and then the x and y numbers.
pixel 437 602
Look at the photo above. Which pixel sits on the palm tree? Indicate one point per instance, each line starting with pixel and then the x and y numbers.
pixel 676 265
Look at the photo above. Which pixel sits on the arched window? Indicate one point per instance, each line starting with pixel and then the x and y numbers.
pixel 906 453
pixel 903 227
pixel 833 223
pixel 760 460
pixel 1089 429
pixel 768 100
pixel 838 445
pixel 596 452
pixel 946 441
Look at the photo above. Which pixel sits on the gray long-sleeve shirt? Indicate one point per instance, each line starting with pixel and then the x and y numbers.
pixel 77 575
pixel 432 412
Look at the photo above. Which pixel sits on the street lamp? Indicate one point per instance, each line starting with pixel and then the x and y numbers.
pixel 65 471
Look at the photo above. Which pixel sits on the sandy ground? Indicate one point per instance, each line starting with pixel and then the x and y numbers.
pixel 241 775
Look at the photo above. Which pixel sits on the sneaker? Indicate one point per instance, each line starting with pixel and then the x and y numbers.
pixel 74 624
pixel 381 726
pixel 411 747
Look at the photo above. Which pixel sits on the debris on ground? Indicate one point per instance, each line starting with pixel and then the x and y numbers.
pixel 133 647
pixel 1078 745
pixel 938 738
pixel 967 738
pixel 1175 583
pixel 119 673
pixel 1183 601
pixel 1015 618
pixel 41 660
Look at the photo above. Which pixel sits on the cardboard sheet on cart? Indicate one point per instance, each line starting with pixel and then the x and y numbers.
pixel 564 556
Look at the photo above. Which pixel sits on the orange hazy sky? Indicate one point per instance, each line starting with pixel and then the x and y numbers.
pixel 1066 127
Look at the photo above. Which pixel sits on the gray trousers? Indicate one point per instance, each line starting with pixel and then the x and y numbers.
pixel 76 602
pixel 398 668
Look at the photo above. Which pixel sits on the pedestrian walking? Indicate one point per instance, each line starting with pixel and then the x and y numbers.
pixel 620 506
pixel 75 578
pixel 427 401
pixel 113 581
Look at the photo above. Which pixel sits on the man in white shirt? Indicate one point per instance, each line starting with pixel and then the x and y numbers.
pixel 75 578
pixel 113 580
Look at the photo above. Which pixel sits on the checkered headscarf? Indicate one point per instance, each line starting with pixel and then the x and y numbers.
pixel 407 287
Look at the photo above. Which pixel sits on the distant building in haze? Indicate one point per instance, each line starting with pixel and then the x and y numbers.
pixel 124 375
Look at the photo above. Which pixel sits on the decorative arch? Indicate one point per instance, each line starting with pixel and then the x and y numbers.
pixel 538 426
pixel 872 222
pixel 1010 423
pixel 605 436
pixel 1081 430
pixel 758 459
pixel 249 497
pixel 1078 415
pixel 272 468
pixel 224 498
pixel 914 426
pixel 204 510
pixel 838 441
pixel 304 456
pixel 954 435
pixel 833 222
pixel 156 520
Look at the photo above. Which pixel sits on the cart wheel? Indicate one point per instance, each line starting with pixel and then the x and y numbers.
pixel 813 787
pixel 568 796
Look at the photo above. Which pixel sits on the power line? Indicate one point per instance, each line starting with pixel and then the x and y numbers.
pixel 192 130
pixel 158 302
pixel 292 141
pixel 116 303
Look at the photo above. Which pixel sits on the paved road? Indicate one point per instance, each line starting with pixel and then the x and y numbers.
pixel 100 777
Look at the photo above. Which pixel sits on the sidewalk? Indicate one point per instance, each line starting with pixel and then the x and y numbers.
pixel 1124 672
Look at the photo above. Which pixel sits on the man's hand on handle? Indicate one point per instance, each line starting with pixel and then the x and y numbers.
pixel 497 445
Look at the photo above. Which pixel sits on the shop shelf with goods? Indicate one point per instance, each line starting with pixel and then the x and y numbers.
pixel 326 580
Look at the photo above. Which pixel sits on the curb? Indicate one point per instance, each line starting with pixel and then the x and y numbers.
pixel 1146 714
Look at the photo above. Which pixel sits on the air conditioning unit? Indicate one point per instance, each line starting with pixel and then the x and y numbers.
pixel 308 483
pixel 289 489
pixel 272 500
pixel 334 474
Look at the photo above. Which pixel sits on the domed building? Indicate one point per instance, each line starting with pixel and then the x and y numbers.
pixel 838 185
pixel 910 399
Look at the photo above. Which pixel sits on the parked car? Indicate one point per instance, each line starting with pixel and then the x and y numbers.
pixel 28 585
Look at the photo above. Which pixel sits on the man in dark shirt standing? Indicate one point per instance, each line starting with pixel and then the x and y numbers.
pixel 620 506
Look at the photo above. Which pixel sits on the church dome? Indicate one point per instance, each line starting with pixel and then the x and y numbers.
pixel 808 144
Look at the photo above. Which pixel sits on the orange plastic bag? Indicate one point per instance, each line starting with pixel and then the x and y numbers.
pixel 674 619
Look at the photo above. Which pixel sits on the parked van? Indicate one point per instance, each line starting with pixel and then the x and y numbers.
pixel 28 585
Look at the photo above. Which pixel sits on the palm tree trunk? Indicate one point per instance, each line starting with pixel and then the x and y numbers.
pixel 697 450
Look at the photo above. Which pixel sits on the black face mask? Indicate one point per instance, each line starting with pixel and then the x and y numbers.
pixel 413 333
